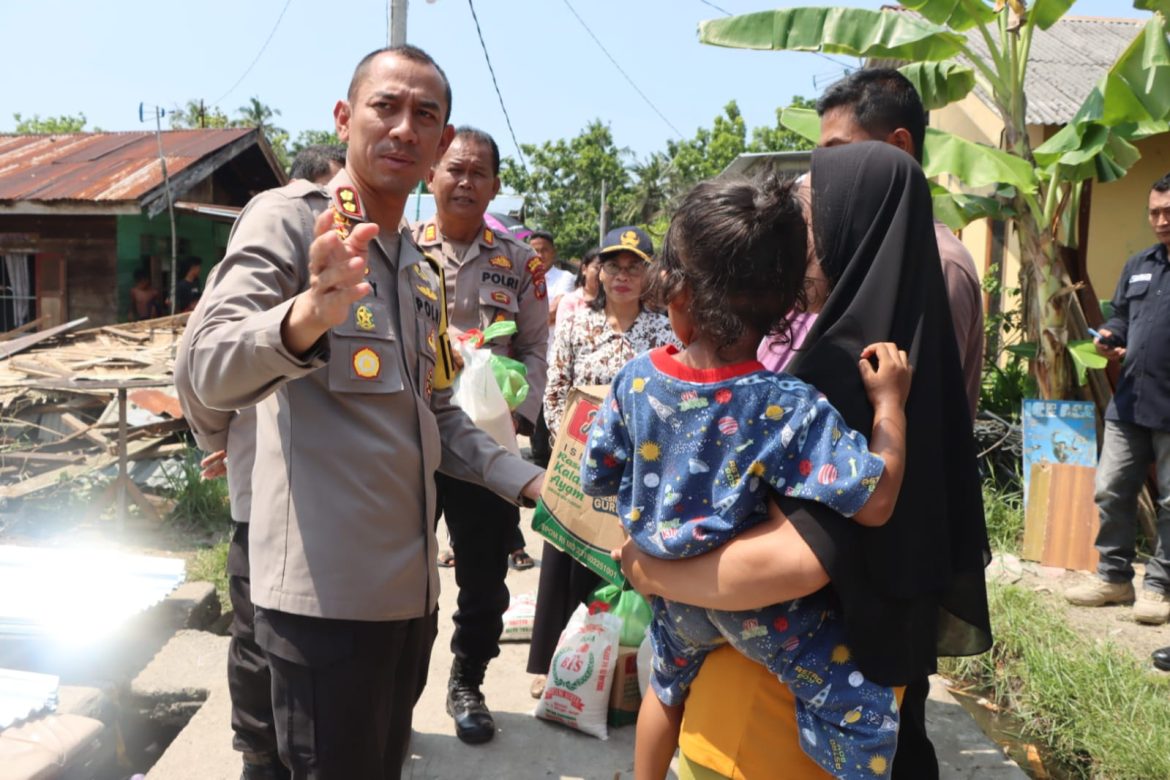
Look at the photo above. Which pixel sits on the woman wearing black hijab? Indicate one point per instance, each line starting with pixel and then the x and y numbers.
pixel 913 589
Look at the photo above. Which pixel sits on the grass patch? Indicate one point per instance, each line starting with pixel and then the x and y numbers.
pixel 210 565
pixel 1098 710
pixel 200 503
pixel 1003 509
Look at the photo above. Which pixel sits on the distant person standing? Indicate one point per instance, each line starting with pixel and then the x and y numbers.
pixel 145 301
pixel 318 163
pixel 1137 431
pixel 558 283
pixel 187 289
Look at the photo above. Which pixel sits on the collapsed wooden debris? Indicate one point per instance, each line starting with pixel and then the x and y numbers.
pixel 59 414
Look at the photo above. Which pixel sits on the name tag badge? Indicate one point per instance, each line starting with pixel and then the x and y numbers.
pixel 1140 278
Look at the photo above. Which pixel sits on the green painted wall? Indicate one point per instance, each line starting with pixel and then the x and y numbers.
pixel 139 237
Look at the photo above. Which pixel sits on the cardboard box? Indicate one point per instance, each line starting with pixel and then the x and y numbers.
pixel 625 697
pixel 585 527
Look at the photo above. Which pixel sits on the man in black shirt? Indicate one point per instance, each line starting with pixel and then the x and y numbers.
pixel 187 288
pixel 1137 429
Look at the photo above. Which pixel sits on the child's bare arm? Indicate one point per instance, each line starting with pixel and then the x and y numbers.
pixel 888 385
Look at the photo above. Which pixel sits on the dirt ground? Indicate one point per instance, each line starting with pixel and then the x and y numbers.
pixel 1114 624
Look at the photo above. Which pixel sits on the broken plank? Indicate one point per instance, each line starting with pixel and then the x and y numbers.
pixel 75 424
pixel 125 334
pixel 21 456
pixel 65 473
pixel 9 348
pixel 9 334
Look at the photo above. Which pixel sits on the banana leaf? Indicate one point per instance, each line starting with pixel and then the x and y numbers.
pixel 1084 356
pixel 1160 6
pixel 939 83
pixel 956 14
pixel 856 32
pixel 974 164
pixel 1046 13
pixel 802 121
pixel 958 209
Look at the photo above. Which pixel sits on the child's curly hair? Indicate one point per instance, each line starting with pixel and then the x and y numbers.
pixel 740 245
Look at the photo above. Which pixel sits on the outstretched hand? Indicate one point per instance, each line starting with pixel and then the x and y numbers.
pixel 337 270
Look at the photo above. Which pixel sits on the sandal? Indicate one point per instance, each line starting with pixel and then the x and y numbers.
pixel 537 687
pixel 446 559
pixel 520 560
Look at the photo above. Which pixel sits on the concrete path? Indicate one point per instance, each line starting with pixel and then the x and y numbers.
pixel 523 748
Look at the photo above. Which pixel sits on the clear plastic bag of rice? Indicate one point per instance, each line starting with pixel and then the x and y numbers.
pixel 518 619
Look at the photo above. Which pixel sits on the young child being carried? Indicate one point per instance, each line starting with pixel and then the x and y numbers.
pixel 692 441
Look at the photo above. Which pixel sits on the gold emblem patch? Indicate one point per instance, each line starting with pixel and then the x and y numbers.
pixel 346 201
pixel 366 363
pixel 489 238
pixel 363 317
pixel 499 261
pixel 534 266
pixel 341 224
pixel 501 298
pixel 427 291
pixel 629 238
pixel 431 340
pixel 429 234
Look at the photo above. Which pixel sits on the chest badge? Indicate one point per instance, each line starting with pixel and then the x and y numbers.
pixel 500 261
pixel 501 298
pixel 366 363
pixel 427 292
pixel 363 318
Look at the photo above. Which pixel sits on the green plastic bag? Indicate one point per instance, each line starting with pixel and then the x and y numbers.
pixel 511 375
pixel 630 606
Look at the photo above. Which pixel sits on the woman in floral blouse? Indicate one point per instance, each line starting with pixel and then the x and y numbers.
pixel 590 347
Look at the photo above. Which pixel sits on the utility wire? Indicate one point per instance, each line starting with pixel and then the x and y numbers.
pixel 619 67
pixel 492 71
pixel 717 8
pixel 822 55
pixel 258 55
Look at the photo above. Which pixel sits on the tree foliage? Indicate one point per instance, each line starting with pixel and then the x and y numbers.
pixel 563 182
pixel 35 125
pixel 196 114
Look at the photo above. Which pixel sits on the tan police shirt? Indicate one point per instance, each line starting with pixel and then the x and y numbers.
pixel 499 278
pixel 350 434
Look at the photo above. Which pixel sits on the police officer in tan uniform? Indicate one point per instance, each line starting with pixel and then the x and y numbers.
pixel 327 317
pixel 491 277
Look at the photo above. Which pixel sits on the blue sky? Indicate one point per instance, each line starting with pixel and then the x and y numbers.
pixel 102 59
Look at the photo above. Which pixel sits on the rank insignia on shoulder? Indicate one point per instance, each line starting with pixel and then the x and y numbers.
pixel 347 202
pixel 489 237
pixel 366 363
pixel 500 261
pixel 341 224
pixel 430 233
pixel 534 266
pixel 363 318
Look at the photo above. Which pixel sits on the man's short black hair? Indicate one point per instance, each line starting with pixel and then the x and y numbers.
pixel 882 100
pixel 1162 184
pixel 190 262
pixel 406 52
pixel 479 136
pixel 547 236
pixel 313 162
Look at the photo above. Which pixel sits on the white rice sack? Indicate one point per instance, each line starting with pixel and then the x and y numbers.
pixel 645 657
pixel 519 618
pixel 581 674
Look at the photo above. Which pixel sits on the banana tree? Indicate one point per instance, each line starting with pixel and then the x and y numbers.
pixel 952 46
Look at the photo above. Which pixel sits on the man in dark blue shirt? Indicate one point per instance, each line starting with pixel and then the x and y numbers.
pixel 1137 429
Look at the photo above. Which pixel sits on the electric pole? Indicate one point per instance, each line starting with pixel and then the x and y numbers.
pixel 396 35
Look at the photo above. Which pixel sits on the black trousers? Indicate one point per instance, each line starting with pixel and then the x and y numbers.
pixel 483 528
pixel 249 681
pixel 343 691
pixel 914 758
pixel 564 584
pixel 540 442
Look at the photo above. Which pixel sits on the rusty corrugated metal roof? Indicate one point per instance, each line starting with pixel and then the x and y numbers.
pixel 100 167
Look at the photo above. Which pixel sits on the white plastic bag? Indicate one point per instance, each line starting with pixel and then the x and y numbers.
pixel 580 676
pixel 519 618
pixel 477 393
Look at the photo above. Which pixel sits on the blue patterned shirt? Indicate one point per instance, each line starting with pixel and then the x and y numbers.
pixel 691 453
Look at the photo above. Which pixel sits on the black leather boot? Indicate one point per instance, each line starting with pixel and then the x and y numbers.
pixel 473 720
